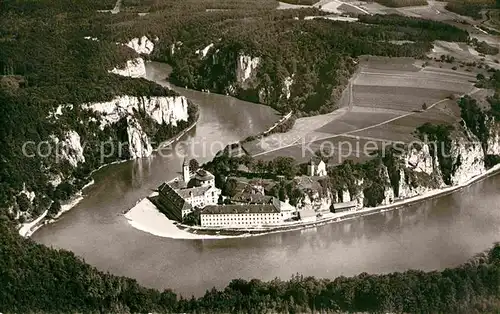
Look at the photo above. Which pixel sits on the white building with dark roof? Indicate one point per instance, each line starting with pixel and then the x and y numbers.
pixel 273 212
pixel 316 169
pixel 182 195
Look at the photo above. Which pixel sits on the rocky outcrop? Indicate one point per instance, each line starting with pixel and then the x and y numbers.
pixel 287 84
pixel 408 187
pixel 420 160
pixel 246 67
pixel 162 110
pixel 141 45
pixel 72 148
pixel 388 191
pixel 133 68
pixel 203 53
pixel 467 157
pixel 493 141
pixel 316 201
pixel 166 110
pixel 69 148
pixel 417 170
pixel 139 143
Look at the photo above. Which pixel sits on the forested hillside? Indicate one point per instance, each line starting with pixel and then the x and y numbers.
pixel 470 8
pixel 37 279
pixel 46 62
pixel 295 64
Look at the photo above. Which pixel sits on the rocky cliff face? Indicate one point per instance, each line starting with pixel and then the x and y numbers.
pixel 316 201
pixel 133 68
pixel 141 45
pixel 85 133
pixel 287 84
pixel 139 143
pixel 246 69
pixel 493 142
pixel 162 110
pixel 418 170
pixel 467 157
pixel 70 148
pixel 203 52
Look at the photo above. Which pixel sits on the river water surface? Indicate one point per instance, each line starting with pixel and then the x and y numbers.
pixel 434 234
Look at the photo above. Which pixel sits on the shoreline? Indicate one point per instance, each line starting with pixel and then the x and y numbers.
pixel 26 230
pixel 145 217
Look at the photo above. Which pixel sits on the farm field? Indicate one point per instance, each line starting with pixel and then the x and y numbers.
pixel 385 105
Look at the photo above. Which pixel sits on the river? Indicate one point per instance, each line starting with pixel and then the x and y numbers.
pixel 434 234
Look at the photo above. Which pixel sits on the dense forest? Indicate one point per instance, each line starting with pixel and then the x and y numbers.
pixel 402 3
pixel 470 8
pixel 39 279
pixel 317 56
pixel 304 64
pixel 45 63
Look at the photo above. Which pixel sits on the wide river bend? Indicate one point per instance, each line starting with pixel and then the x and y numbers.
pixel 434 234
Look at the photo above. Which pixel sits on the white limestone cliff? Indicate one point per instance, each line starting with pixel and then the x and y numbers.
pixel 388 191
pixel 168 110
pixel 203 53
pixel 346 196
pixel 419 160
pixel 359 197
pixel 139 143
pixel 407 190
pixel 133 68
pixel 468 158
pixel 246 67
pixel 141 45
pixel 315 201
pixel 70 148
pixel 163 110
pixel 493 142
pixel 286 87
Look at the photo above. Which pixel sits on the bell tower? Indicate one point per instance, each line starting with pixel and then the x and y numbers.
pixel 185 171
pixel 311 168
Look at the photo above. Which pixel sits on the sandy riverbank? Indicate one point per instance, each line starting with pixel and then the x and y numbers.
pixel 146 217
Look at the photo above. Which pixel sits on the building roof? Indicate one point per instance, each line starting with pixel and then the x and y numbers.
pixel 315 160
pixel 203 175
pixel 177 184
pixel 240 209
pixel 256 198
pixel 172 197
pixel 345 205
pixel 308 183
pixel 196 191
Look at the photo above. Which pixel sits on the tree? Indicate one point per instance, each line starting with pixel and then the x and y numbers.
pixel 192 219
pixel 55 207
pixel 285 166
pixel 23 202
pixel 324 153
pixel 230 188
pixel 193 165
pixel 424 106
